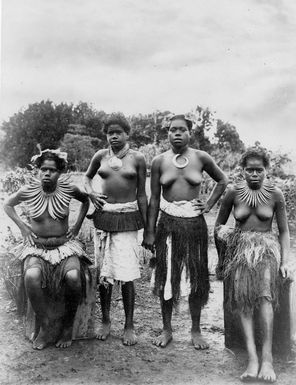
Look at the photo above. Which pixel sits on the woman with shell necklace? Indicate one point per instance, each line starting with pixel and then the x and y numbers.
pixel 121 206
pixel 180 238
pixel 254 256
pixel 54 261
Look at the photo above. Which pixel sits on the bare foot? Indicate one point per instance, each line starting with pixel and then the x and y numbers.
pixel 164 339
pixel 198 341
pixel 66 339
pixel 129 337
pixel 267 373
pixel 251 373
pixel 104 331
pixel 41 340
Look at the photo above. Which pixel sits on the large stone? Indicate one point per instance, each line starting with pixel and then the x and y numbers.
pixel 284 331
pixel 83 327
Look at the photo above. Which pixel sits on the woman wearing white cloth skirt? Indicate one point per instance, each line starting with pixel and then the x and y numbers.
pixel 120 212
pixel 254 256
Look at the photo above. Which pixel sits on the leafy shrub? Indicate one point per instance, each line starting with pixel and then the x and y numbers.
pixel 13 180
pixel 288 187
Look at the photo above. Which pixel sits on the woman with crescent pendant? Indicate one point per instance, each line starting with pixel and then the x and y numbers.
pixel 120 211
pixel 180 238
pixel 253 257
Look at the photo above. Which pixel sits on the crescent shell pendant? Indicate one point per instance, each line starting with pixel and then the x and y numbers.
pixel 180 165
pixel 115 163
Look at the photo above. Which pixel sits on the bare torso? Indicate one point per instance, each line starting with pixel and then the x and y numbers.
pixel 181 183
pixel 45 226
pixel 253 218
pixel 119 186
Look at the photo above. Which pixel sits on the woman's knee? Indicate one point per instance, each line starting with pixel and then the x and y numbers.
pixel 33 277
pixel 72 279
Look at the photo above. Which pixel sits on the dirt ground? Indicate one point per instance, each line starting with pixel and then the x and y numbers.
pixel 109 362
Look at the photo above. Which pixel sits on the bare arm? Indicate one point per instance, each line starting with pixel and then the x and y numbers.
pixel 97 199
pixel 83 198
pixel 153 208
pixel 9 204
pixel 219 177
pixel 141 191
pixel 225 208
pixel 223 215
pixel 284 236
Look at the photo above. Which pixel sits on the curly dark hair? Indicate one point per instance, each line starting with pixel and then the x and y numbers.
pixel 255 152
pixel 61 164
pixel 117 118
pixel 182 117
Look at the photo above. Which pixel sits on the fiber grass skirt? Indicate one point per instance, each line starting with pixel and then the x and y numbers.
pixel 189 252
pixel 251 269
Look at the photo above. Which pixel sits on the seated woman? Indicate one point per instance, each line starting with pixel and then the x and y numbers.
pixel 54 262
pixel 254 256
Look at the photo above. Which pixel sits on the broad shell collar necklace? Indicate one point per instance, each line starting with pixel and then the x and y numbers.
pixel 56 202
pixel 115 161
pixel 257 197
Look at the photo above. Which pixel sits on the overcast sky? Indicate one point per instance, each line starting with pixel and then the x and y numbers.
pixel 236 57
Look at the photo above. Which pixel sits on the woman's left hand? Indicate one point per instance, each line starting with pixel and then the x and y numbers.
pixel 72 233
pixel 285 271
pixel 201 206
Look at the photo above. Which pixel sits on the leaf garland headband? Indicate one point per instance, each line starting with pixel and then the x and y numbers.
pixel 58 153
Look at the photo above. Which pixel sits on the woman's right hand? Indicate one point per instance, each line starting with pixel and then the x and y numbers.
pixel 98 200
pixel 28 234
pixel 149 241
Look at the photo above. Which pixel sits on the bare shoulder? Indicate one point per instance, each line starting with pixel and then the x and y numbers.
pixel 23 192
pixel 158 159
pixel 100 154
pixel 138 155
pixel 202 155
pixel 18 196
pixel 278 195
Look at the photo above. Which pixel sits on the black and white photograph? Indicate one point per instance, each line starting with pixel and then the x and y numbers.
pixel 147 192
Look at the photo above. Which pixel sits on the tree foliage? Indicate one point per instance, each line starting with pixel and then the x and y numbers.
pixel 228 138
pixel 204 124
pixel 80 149
pixel 88 121
pixel 43 123
pixel 148 128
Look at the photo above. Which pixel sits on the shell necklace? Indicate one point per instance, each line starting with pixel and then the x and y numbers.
pixel 56 202
pixel 254 198
pixel 115 161
pixel 178 164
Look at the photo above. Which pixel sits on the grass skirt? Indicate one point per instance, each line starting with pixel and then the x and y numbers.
pixel 251 269
pixel 53 272
pixel 189 252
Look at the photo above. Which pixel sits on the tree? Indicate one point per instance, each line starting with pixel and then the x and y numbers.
pixel 204 124
pixel 80 149
pixel 88 121
pixel 148 128
pixel 227 135
pixel 43 123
